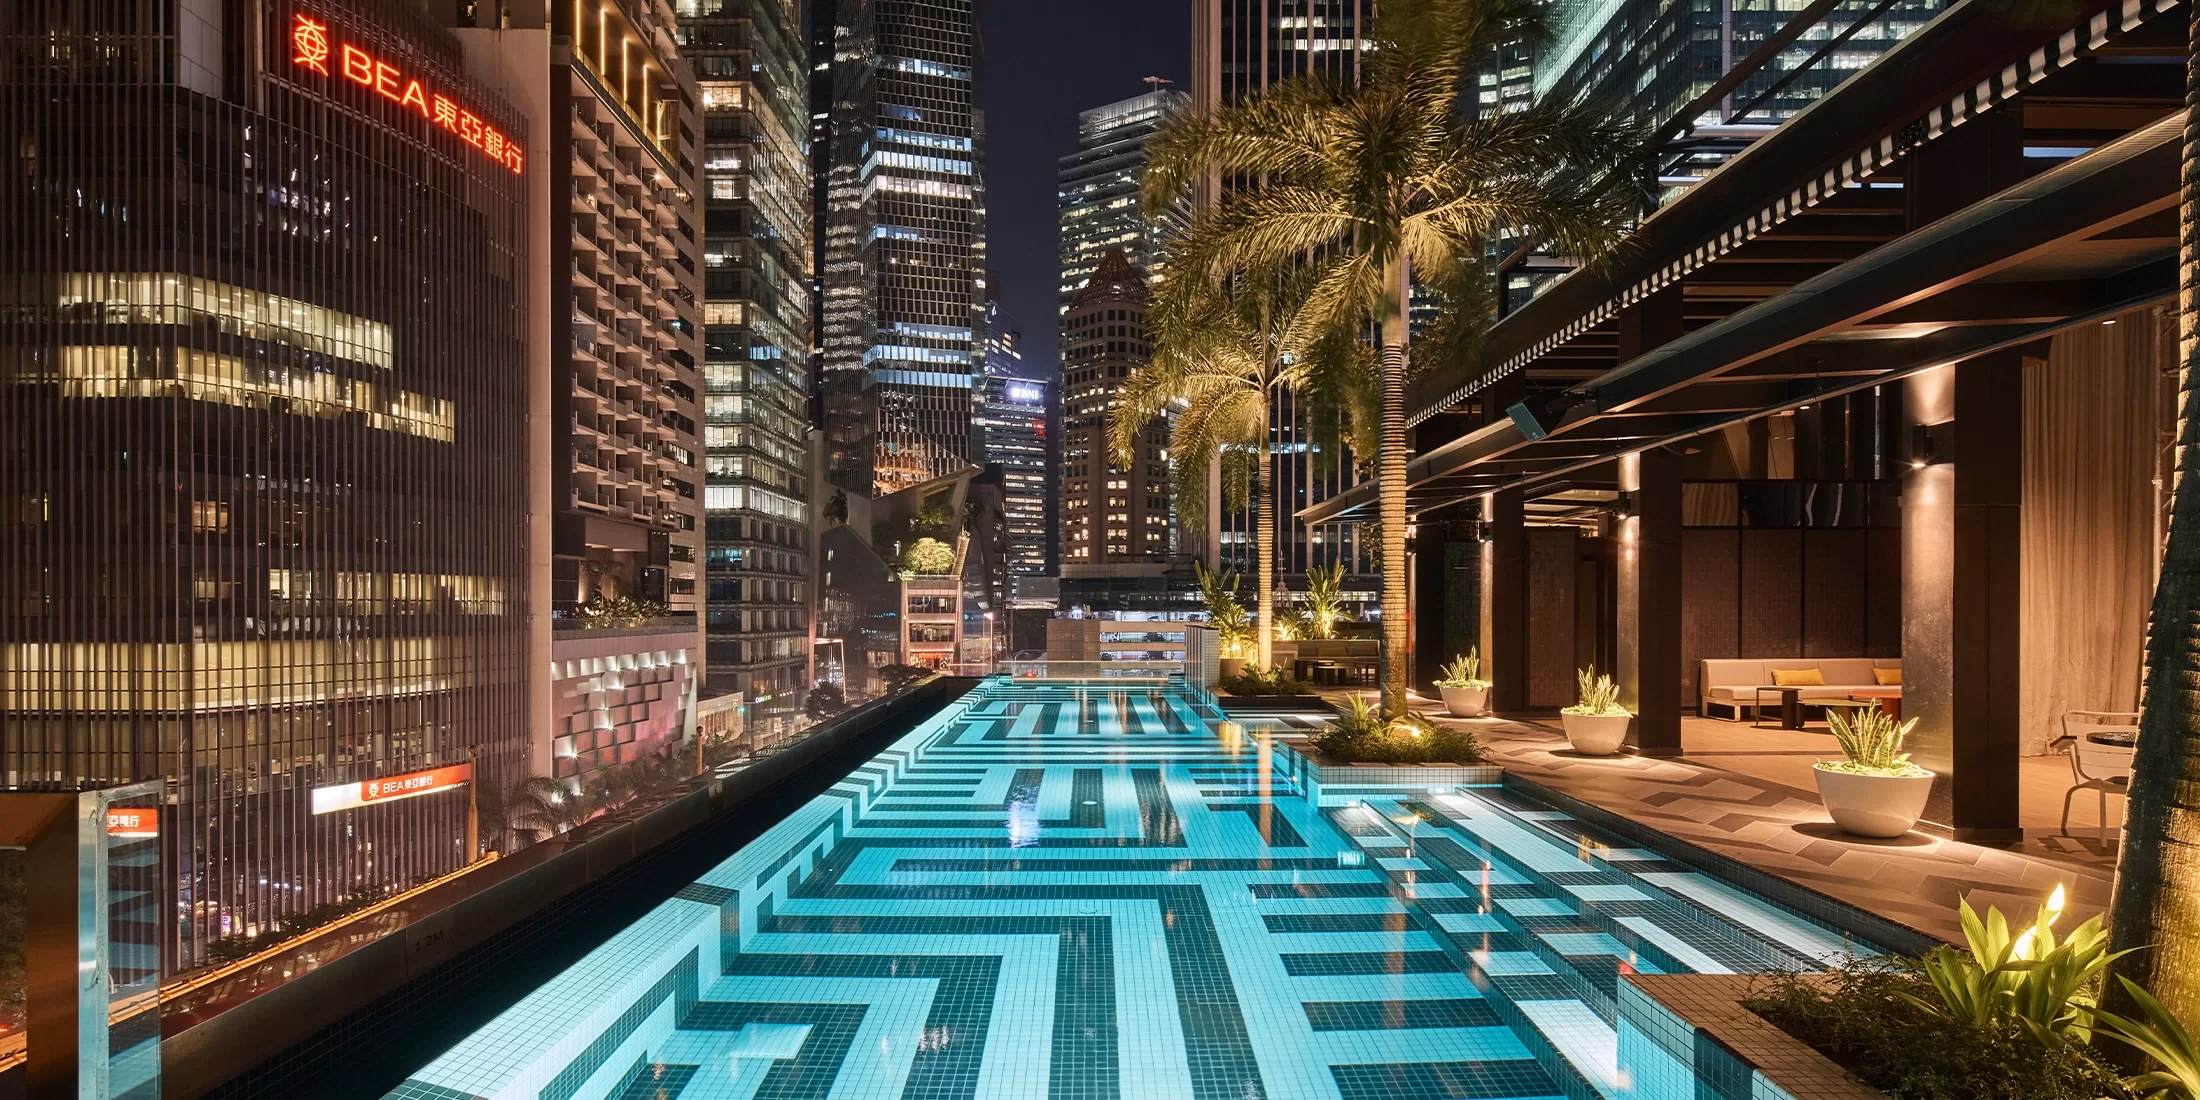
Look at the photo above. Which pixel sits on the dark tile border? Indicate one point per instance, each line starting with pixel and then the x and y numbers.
pixel 1842 915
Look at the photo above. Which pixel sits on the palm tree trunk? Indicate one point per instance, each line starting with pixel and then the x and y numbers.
pixel 1264 546
pixel 1390 477
pixel 2157 900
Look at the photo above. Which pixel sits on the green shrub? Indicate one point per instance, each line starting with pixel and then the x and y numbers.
pixel 1360 735
pixel 1271 681
pixel 1871 1019
pixel 1233 629
pixel 928 556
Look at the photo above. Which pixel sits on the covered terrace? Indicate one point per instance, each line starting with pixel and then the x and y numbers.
pixel 1892 386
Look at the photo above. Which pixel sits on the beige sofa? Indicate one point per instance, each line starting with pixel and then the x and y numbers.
pixel 1733 682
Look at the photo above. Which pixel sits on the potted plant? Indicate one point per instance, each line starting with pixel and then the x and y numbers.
pixel 1465 691
pixel 1233 628
pixel 1597 724
pixel 1874 789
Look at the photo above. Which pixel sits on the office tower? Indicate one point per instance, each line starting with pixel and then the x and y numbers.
pixel 1240 47
pixel 753 75
pixel 1098 191
pixel 1505 82
pixel 619 308
pixel 1012 435
pixel 1654 58
pixel 1115 517
pixel 904 281
pixel 265 400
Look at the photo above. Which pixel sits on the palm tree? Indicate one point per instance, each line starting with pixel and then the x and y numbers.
pixel 1222 352
pixel 524 812
pixel 2157 894
pixel 1374 183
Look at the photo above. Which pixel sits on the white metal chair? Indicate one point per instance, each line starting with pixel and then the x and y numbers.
pixel 2102 769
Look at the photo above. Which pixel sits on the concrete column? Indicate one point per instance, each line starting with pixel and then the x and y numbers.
pixel 1430 597
pixel 1961 599
pixel 1648 655
pixel 1505 601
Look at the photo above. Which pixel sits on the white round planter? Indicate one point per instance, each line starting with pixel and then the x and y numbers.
pixel 1873 805
pixel 1465 702
pixel 1596 734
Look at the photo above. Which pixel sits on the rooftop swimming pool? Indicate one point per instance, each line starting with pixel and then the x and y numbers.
pixel 1083 893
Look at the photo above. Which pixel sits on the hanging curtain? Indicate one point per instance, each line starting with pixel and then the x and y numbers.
pixel 2090 416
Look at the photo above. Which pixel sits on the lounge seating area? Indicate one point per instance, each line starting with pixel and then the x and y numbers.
pixel 1331 661
pixel 1747 687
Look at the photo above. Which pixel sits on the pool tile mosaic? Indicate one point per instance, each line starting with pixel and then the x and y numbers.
pixel 1084 894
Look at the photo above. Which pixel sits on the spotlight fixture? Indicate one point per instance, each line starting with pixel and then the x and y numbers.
pixel 1932 444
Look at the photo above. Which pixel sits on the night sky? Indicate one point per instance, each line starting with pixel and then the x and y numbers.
pixel 1046 60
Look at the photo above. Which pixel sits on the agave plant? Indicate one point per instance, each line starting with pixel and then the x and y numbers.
pixel 2049 986
pixel 1598 694
pixel 1871 743
pixel 1464 672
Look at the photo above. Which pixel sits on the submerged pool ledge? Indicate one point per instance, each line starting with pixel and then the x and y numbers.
pixel 1329 784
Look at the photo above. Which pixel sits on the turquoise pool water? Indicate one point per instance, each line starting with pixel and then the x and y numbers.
pixel 1068 892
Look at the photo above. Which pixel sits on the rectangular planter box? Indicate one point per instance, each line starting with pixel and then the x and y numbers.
pixel 1688 1036
pixel 1331 784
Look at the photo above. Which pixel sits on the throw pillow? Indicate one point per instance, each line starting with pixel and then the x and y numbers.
pixel 1798 677
pixel 1891 676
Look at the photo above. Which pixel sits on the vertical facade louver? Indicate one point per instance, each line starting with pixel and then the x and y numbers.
pixel 753 74
pixel 262 416
pixel 903 312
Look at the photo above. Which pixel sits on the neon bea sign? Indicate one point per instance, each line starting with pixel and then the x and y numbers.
pixel 311 48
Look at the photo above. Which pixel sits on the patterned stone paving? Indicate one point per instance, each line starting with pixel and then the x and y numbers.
pixel 1913 880
pixel 1091 895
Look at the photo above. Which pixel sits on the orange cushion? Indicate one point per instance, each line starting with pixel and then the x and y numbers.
pixel 1887 675
pixel 1798 677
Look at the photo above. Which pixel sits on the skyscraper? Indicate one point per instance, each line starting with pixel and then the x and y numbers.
pixel 1115 516
pixel 265 397
pixel 618 302
pixel 904 281
pixel 1012 434
pixel 1655 57
pixel 1240 47
pixel 753 76
pixel 1098 191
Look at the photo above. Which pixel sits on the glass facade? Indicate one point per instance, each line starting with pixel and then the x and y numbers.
pixel 263 381
pixel 1656 57
pixel 902 320
pixel 1012 434
pixel 751 61
pixel 1098 191
pixel 1113 514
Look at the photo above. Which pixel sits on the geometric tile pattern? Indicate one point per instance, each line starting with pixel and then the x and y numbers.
pixel 1090 894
